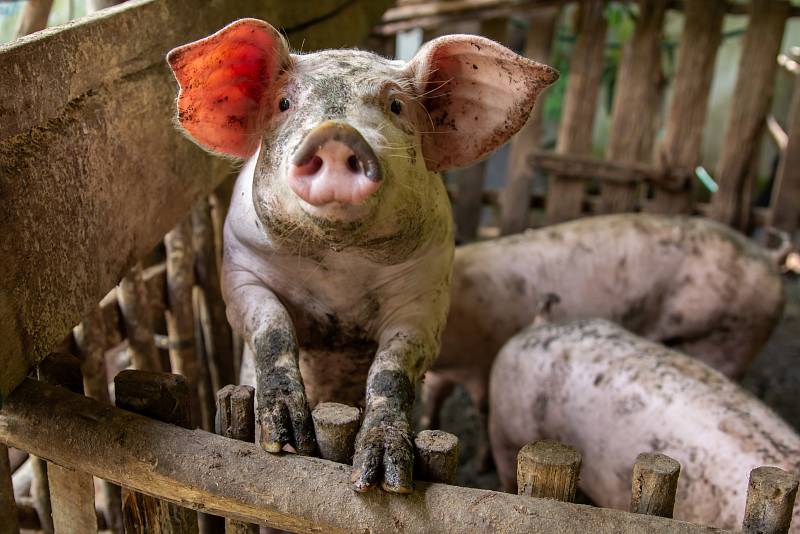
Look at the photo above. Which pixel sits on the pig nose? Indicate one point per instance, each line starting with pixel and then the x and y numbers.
pixel 334 163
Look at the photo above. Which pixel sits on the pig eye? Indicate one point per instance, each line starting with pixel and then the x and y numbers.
pixel 396 106
pixel 284 104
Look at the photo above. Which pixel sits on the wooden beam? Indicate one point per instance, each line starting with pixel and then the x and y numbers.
pixel 635 112
pixel 565 193
pixel 92 170
pixel 686 114
pixel 748 110
pixel 238 480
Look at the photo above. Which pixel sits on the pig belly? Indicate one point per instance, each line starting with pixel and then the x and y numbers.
pixel 328 376
pixel 612 395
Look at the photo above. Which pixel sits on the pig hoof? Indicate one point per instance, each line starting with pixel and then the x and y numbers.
pixel 384 456
pixel 285 418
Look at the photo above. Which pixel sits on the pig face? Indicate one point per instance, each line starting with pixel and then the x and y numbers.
pixel 349 143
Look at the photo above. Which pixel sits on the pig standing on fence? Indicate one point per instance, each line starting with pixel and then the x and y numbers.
pixel 691 283
pixel 612 395
pixel 338 243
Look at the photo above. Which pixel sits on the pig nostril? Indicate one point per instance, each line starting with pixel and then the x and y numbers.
pixel 352 164
pixel 311 168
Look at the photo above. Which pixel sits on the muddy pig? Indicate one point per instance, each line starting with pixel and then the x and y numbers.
pixel 338 244
pixel 612 395
pixel 690 283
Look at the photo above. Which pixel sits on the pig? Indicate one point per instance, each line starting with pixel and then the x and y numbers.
pixel 338 244
pixel 690 283
pixel 612 395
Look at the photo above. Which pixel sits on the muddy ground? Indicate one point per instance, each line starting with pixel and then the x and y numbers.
pixel 774 377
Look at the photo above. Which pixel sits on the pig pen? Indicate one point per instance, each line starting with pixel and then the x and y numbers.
pixel 72 143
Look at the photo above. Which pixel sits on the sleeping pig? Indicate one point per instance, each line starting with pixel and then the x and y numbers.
pixel 338 243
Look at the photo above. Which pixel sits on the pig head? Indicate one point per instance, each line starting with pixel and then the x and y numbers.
pixel 338 244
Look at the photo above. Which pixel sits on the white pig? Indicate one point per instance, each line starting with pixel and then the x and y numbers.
pixel 339 243
pixel 612 395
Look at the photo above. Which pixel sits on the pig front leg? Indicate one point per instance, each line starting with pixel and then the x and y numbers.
pixel 259 316
pixel 384 446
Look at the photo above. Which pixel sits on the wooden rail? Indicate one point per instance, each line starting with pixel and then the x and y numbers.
pixel 238 480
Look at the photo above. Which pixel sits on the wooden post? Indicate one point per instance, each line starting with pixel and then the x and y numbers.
pixel 33 17
pixel 770 499
pixel 218 340
pixel 8 506
pixel 236 419
pixel 634 118
pixel 335 426
pixel 686 114
pixel 785 202
pixel 653 484
pixel 435 456
pixel 40 494
pixel 164 397
pixel 548 470
pixel 133 304
pixel 749 106
pixel 565 193
pixel 515 196
pixel 180 321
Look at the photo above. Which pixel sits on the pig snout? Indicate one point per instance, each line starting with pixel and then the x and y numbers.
pixel 334 163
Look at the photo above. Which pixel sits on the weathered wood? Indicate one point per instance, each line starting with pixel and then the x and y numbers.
pixel 40 494
pixel 435 456
pixel 548 470
pixel 565 193
pixel 634 116
pixel 62 369
pixel 771 493
pixel 237 480
pixel 218 340
pixel 749 107
pixel 236 419
pixel 72 496
pixel 686 114
pixel 162 397
pixel 785 201
pixel 8 506
pixel 336 426
pixel 133 305
pixel 90 146
pixel 33 17
pixel 515 196
pixel 653 484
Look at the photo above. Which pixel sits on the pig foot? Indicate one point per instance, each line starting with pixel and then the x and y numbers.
pixel 384 448
pixel 283 413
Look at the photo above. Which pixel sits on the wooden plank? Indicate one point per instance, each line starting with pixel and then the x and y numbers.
pixel 785 202
pixel 622 172
pixel 749 107
pixel 686 114
pixel 92 171
pixel 565 193
pixel 237 480
pixel 634 116
pixel 515 195
pixel 8 506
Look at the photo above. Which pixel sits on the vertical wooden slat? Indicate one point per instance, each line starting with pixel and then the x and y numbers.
pixel 548 469
pixel 565 194
pixel 785 202
pixel 40 494
pixel 217 335
pixel 8 506
pixel 33 17
pixel 634 117
pixel 133 303
pixel 515 196
pixel 686 115
pixel 749 106
pixel 165 397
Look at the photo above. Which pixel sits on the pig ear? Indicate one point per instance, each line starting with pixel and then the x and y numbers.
pixel 477 94
pixel 225 80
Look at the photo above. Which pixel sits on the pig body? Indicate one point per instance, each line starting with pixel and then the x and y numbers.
pixel 612 395
pixel 339 243
pixel 690 283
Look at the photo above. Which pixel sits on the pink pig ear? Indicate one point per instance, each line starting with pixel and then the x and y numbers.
pixel 225 80
pixel 477 94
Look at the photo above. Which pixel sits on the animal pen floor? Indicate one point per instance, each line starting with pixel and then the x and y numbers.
pixel 774 377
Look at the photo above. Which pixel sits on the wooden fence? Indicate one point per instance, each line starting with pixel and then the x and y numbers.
pixel 93 175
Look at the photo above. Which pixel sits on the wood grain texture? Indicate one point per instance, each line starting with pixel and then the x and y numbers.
pixel 654 482
pixel 72 498
pixel 199 469
pixel 548 469
pixel 92 171
pixel 771 493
